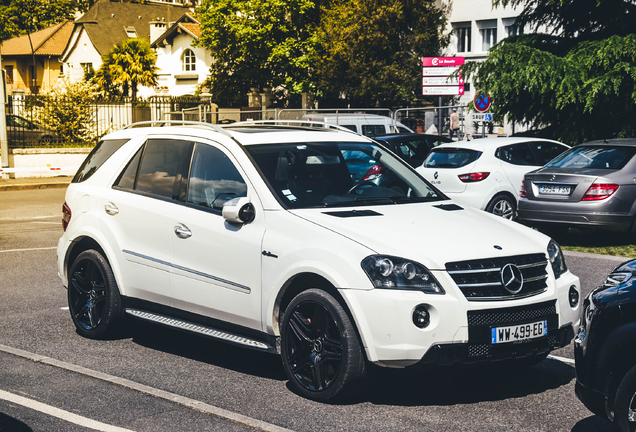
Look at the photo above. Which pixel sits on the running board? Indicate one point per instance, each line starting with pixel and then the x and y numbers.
pixel 200 329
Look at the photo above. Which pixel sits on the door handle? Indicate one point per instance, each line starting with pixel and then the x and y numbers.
pixel 111 209
pixel 182 231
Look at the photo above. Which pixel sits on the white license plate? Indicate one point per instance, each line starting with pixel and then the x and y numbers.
pixel 519 332
pixel 554 190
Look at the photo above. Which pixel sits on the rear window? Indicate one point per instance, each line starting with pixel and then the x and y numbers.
pixel 96 158
pixel 451 158
pixel 594 157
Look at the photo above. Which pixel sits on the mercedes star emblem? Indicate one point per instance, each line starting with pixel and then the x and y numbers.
pixel 512 278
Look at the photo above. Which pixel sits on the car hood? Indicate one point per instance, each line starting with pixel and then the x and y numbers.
pixel 429 233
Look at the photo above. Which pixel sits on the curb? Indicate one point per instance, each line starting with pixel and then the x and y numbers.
pixel 27 186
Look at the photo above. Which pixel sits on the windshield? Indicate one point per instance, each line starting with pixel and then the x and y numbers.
pixel 330 174
pixel 594 157
pixel 446 157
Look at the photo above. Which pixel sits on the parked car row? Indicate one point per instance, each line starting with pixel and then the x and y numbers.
pixel 21 132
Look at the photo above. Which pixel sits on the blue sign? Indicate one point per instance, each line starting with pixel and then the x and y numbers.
pixel 487 117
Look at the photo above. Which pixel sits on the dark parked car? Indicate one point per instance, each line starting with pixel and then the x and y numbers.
pixel 413 148
pixel 605 349
pixel 21 131
pixel 592 184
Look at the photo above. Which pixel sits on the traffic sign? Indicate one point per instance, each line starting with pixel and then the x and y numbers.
pixel 487 117
pixel 443 91
pixel 440 81
pixel 442 61
pixel 482 101
pixel 439 71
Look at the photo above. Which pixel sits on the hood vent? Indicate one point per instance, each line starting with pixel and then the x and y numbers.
pixel 353 213
pixel 449 207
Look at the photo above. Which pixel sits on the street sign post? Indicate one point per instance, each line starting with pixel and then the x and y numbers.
pixel 483 117
pixel 443 91
pixel 482 101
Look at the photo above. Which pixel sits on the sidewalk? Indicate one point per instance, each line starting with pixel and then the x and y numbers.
pixel 34 183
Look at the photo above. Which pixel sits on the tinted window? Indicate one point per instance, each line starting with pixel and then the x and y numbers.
pixel 546 151
pixel 214 179
pixel 96 158
pixel 338 174
pixel 516 154
pixel 163 168
pixel 127 178
pixel 372 130
pixel 594 157
pixel 451 158
pixel 351 127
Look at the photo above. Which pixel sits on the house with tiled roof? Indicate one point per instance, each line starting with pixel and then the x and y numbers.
pixel 17 58
pixel 182 66
pixel 108 23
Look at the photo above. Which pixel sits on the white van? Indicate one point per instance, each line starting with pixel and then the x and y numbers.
pixel 364 124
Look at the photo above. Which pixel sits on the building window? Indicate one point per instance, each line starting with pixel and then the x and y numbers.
pixel 188 61
pixel 9 71
pixel 462 32
pixel 512 29
pixel 488 33
pixel 130 32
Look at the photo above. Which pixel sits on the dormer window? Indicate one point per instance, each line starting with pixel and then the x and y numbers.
pixel 188 61
pixel 130 32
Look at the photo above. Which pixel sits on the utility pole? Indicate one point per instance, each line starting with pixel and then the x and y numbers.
pixel 4 145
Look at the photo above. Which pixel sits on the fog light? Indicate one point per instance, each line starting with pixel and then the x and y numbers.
pixel 573 296
pixel 421 317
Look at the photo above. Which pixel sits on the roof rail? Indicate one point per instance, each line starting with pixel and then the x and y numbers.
pixel 161 123
pixel 305 124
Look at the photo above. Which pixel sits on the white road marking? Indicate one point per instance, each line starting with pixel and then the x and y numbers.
pixel 64 308
pixel 563 359
pixel 27 249
pixel 172 397
pixel 61 414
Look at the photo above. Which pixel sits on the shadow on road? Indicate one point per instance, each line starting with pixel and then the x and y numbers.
pixel 593 423
pixel 10 424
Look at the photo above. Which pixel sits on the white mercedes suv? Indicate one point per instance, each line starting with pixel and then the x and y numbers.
pixel 257 234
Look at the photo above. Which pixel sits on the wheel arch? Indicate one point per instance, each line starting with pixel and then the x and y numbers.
pixel 503 193
pixel 83 243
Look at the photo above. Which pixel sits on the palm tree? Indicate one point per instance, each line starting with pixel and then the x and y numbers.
pixel 128 65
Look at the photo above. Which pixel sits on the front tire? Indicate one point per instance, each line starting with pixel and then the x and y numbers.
pixel 625 403
pixel 320 349
pixel 503 206
pixel 93 297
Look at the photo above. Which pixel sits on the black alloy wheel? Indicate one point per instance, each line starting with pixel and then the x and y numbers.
pixel 321 353
pixel 93 297
pixel 625 403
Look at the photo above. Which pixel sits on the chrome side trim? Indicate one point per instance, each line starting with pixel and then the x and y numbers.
pixel 197 328
pixel 236 286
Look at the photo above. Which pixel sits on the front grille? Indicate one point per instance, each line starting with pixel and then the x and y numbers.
pixel 481 280
pixel 511 315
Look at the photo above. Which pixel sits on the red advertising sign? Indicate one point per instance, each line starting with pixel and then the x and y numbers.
pixel 442 61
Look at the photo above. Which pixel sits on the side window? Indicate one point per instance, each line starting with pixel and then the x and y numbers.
pixel 162 170
pixel 373 130
pixel 213 179
pixel 516 154
pixel 546 151
pixel 351 127
pixel 100 154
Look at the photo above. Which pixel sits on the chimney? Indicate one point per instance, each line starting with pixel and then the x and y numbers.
pixel 157 28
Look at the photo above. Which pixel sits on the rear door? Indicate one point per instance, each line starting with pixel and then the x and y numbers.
pixel 443 166
pixel 516 160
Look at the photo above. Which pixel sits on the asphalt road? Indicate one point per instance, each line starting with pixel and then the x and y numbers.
pixel 156 379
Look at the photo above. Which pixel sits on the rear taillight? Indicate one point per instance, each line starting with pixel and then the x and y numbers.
pixel 374 172
pixel 522 191
pixel 599 191
pixel 66 216
pixel 474 177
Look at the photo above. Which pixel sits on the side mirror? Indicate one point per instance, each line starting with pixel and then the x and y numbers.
pixel 239 210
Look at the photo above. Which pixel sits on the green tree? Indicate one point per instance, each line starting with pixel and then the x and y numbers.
pixel 579 80
pixel 69 109
pixel 371 50
pixel 258 43
pixel 128 65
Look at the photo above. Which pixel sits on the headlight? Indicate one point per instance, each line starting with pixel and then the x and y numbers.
pixel 398 273
pixel 556 259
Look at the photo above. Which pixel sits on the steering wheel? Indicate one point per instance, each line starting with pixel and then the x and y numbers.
pixel 359 185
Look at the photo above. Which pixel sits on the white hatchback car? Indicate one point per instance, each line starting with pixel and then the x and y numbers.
pixel 256 235
pixel 487 173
